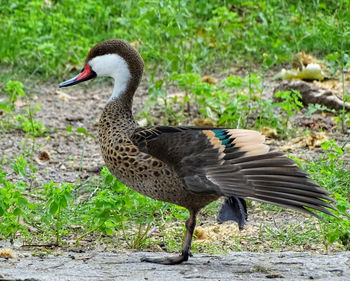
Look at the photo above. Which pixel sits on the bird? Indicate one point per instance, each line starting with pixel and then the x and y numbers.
pixel 190 166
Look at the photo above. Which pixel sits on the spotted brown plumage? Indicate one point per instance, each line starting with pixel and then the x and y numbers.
pixel 190 166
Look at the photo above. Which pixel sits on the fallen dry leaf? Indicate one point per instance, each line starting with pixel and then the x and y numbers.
pixel 330 84
pixel 209 80
pixel 82 198
pixel 304 67
pixel 206 122
pixel 311 141
pixel 200 234
pixel 303 59
pixel 73 67
pixel 20 103
pixel 219 232
pixel 63 96
pixel 307 58
pixel 43 157
pixel 7 254
pixel 319 121
pixel 269 132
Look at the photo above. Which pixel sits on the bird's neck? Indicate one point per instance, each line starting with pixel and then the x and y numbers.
pixel 117 114
pixel 124 89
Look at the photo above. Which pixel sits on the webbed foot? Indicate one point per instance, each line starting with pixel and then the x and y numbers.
pixel 167 260
pixel 190 225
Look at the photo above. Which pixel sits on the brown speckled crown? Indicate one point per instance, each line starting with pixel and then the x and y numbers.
pixel 127 52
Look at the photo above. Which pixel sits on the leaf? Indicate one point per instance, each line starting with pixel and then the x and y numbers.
pixel 22 201
pixel 332 237
pixel 17 211
pixel 109 231
pixel 82 131
pixel 53 208
pixel 109 178
pixel 63 202
pixel 109 224
pixel 341 208
pixel 68 196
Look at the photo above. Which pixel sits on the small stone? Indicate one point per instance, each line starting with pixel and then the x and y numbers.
pixel 74 118
pixel 275 275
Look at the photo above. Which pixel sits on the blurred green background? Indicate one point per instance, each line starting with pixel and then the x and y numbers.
pixel 44 39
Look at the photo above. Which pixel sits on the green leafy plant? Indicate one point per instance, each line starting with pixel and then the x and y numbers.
pixel 20 166
pixel 330 169
pixel 28 124
pixel 59 198
pixel 158 96
pixel 26 121
pixel 337 229
pixel 13 89
pixel 13 204
pixel 114 204
pixel 137 240
pixel 313 108
pixel 290 104
pixel 79 130
pixel 234 102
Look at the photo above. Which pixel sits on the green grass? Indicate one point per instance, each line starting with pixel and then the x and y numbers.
pixel 47 39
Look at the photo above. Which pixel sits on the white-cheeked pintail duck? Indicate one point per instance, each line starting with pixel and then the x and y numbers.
pixel 190 166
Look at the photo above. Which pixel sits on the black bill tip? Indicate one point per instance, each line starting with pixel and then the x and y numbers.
pixel 85 75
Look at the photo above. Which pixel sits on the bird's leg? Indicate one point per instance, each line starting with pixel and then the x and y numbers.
pixel 190 225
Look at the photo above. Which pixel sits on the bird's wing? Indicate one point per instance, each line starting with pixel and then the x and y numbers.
pixel 232 162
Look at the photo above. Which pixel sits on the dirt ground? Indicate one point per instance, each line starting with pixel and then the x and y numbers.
pixel 75 157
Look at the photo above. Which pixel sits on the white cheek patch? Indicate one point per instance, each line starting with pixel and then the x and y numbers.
pixel 114 66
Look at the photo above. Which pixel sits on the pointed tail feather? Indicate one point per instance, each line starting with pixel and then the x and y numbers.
pixel 271 178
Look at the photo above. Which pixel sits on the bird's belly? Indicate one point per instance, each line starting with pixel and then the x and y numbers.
pixel 161 184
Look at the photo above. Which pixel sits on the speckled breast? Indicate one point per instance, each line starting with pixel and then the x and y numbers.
pixel 148 175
